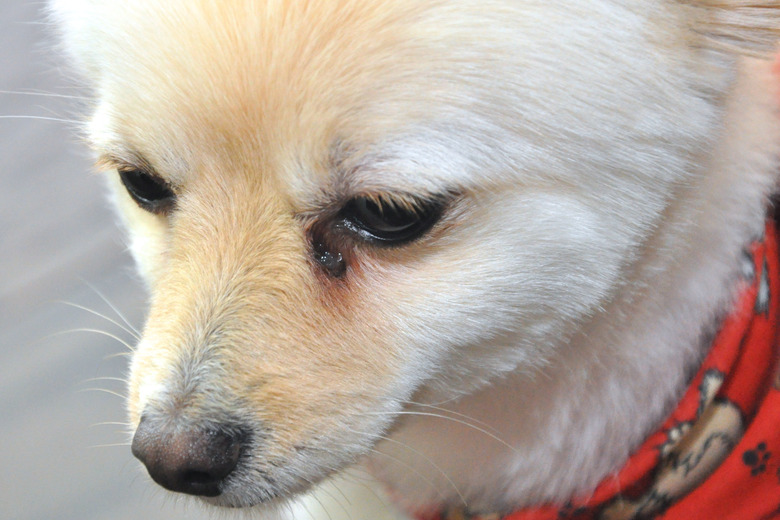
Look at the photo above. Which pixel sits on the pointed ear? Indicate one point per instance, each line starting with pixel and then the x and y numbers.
pixel 747 27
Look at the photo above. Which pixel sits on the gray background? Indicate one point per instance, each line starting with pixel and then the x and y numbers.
pixel 59 242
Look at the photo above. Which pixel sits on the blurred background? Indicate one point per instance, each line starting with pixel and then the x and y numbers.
pixel 63 263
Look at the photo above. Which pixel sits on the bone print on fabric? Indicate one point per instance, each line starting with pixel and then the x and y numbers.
pixel 693 450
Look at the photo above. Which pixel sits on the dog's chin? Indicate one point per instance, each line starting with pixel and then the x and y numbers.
pixel 238 501
pixel 250 488
pixel 229 502
pixel 237 497
pixel 245 506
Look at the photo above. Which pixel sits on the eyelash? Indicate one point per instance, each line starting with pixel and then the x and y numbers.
pixel 374 220
pixel 384 222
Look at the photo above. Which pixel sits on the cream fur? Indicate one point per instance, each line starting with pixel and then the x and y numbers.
pixel 610 160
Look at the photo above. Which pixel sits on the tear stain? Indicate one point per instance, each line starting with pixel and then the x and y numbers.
pixel 330 259
pixel 337 267
pixel 331 255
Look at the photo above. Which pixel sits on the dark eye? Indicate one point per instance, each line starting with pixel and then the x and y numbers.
pixel 389 223
pixel 148 191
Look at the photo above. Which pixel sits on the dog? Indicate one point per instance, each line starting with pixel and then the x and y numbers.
pixel 478 249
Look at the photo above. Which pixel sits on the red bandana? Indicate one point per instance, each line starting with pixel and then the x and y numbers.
pixel 717 456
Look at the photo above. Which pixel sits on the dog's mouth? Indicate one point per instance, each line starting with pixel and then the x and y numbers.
pixel 241 462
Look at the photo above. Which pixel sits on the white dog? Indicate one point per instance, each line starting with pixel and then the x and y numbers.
pixel 471 245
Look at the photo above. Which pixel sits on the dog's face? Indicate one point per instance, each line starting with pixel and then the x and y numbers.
pixel 339 204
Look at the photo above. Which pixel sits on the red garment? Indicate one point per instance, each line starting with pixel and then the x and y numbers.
pixel 717 456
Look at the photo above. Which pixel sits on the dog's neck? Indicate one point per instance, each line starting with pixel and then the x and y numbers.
pixel 526 440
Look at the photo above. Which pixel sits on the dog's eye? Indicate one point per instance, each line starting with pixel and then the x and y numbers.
pixel 387 223
pixel 148 191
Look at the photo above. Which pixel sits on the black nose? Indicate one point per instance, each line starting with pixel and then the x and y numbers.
pixel 188 461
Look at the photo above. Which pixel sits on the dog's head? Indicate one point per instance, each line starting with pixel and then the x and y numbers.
pixel 338 204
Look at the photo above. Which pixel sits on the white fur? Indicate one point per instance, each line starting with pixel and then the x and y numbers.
pixel 612 167
pixel 576 420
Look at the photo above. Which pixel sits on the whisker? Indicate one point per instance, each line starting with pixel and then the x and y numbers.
pixel 132 332
pixel 349 474
pixel 42 94
pixel 364 476
pixel 304 506
pixel 124 381
pixel 113 307
pixel 115 445
pixel 458 414
pixel 453 419
pixel 317 499
pixel 41 118
pixel 325 491
pixel 370 478
pixel 414 470
pixel 343 495
pixel 119 354
pixel 445 401
pixel 109 423
pixel 287 506
pixel 95 331
pixel 408 466
pixel 103 390
pixel 106 378
pixel 362 481
pixel 429 461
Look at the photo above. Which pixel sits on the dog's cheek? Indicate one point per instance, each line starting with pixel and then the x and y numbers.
pixel 505 287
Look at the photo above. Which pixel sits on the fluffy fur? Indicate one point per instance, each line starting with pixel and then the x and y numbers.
pixel 606 161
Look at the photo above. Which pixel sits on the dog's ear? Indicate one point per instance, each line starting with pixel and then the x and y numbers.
pixel 747 27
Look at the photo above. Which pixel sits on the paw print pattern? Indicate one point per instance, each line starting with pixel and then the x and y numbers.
pixel 757 458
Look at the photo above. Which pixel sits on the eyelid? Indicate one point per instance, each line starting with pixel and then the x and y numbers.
pixel 402 201
pixel 128 162
pixel 110 162
pixel 128 168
